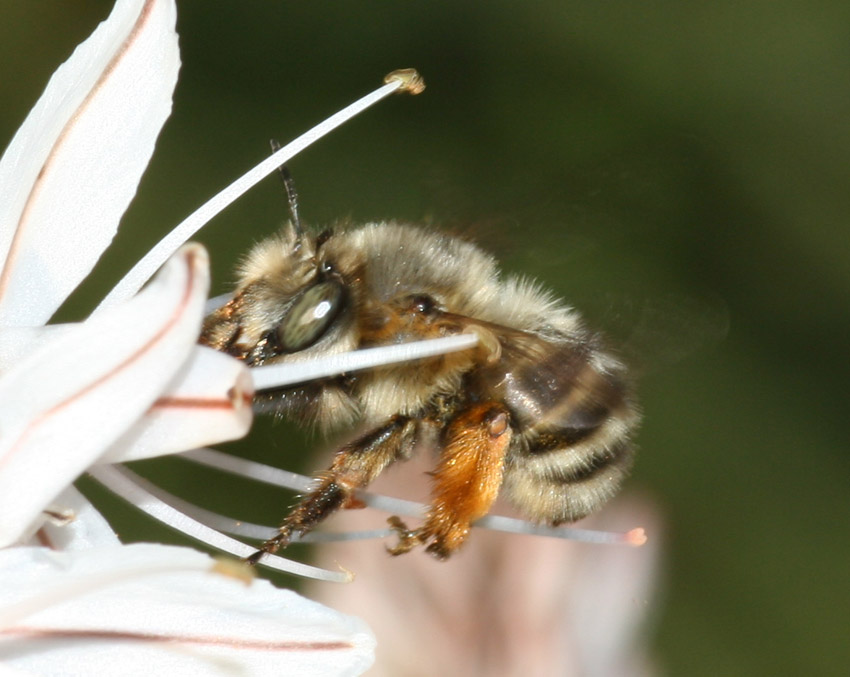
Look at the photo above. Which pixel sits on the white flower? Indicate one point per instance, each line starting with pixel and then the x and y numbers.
pixel 127 383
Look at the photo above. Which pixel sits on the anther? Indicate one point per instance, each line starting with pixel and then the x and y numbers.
pixel 411 81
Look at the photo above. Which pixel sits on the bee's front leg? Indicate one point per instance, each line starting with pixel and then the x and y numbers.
pixel 466 481
pixel 354 466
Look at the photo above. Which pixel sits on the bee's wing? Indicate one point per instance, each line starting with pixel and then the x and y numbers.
pixel 554 382
pixel 655 333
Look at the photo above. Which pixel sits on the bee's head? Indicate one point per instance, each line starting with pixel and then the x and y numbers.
pixel 291 300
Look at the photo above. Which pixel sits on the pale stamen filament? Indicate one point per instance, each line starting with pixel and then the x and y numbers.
pixel 124 484
pixel 397 506
pixel 279 375
pixel 260 532
pixel 398 81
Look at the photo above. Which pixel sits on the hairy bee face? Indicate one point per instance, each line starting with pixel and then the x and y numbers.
pixel 288 303
pixel 539 410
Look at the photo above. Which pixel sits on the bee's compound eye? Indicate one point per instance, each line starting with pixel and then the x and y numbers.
pixel 310 316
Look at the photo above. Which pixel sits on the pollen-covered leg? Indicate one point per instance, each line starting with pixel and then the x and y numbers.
pixel 466 481
pixel 354 466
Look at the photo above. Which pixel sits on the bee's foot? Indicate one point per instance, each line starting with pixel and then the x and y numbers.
pixel 407 538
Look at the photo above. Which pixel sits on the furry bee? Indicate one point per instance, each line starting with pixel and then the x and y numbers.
pixel 538 411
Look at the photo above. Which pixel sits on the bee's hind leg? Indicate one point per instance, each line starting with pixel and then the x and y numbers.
pixel 354 466
pixel 466 481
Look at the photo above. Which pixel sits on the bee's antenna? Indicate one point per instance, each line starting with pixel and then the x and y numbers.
pixel 291 194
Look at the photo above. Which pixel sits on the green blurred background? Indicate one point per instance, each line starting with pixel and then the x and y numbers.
pixel 670 166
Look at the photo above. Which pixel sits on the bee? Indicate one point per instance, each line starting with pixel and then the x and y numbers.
pixel 539 411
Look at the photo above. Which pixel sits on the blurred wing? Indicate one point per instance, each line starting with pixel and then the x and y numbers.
pixel 656 333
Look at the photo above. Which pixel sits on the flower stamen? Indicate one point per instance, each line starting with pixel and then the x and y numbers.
pixel 279 375
pixel 153 260
pixel 129 486
pixel 289 480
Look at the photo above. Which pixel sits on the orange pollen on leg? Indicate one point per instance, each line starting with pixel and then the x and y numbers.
pixel 468 477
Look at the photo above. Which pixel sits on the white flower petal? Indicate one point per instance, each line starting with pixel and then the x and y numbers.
pixel 75 163
pixel 158 610
pixel 6 671
pixel 18 342
pixel 86 529
pixel 67 402
pixel 210 402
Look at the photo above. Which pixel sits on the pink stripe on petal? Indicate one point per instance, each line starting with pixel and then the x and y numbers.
pixel 189 640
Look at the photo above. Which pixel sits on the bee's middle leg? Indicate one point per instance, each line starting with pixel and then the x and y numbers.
pixel 354 466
